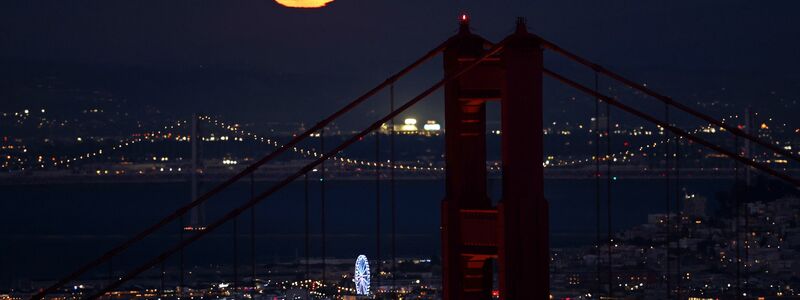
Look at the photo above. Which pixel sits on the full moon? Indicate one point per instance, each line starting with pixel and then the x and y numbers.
pixel 304 3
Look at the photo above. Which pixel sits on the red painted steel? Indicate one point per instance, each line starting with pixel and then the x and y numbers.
pixel 474 233
pixel 524 255
pixel 466 275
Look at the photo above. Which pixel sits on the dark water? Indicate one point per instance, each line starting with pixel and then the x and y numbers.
pixel 45 231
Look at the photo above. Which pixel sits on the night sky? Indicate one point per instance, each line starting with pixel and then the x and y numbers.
pixel 258 60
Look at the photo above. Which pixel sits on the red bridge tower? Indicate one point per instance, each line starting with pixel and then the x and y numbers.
pixel 474 232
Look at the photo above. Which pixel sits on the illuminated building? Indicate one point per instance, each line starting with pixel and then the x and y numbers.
pixel 409 126
pixel 431 126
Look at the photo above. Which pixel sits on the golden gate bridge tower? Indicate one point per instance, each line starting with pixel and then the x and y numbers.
pixel 475 233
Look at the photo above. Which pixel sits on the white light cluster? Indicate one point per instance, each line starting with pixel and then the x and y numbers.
pixel 122 144
pixel 625 155
pixel 312 153
pixel 549 162
pixel 361 275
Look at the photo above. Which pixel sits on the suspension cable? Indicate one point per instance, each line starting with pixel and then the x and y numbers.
pixel 110 269
pixel 378 208
pixel 195 139
pixel 235 270
pixel 307 227
pixel 181 280
pixel 308 167
pixel 252 239
pixel 667 197
pixel 610 239
pixel 766 169
pixel 598 68
pixel 733 155
pixel 392 191
pixel 597 184
pixel 679 213
pixel 163 274
pixel 322 206
pixel 749 125
pixel 222 186
pixel 737 215
pixel 235 257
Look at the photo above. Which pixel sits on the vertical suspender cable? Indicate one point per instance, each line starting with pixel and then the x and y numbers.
pixel 747 238
pixel 252 239
pixel 235 257
pixel 748 150
pixel 608 200
pixel 111 269
pixel 307 228
pixel 322 205
pixel 392 190
pixel 195 139
pixel 181 257
pixel 679 214
pixel 235 270
pixel 163 274
pixel 378 208
pixel 736 216
pixel 667 191
pixel 597 183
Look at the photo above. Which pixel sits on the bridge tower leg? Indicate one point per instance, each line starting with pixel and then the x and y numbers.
pixel 474 232
pixel 467 270
pixel 524 254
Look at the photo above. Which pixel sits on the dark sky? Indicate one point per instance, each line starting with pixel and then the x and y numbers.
pixel 255 59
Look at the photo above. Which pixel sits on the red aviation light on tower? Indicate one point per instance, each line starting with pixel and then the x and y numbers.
pixel 463 23
pixel 463 18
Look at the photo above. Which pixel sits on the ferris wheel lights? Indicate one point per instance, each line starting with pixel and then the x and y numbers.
pixel 361 275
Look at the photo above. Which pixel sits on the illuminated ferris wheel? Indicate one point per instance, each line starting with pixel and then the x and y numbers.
pixel 361 276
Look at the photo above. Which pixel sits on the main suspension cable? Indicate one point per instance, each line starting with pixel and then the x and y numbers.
pixel 279 185
pixel 598 68
pixel 230 181
pixel 766 169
